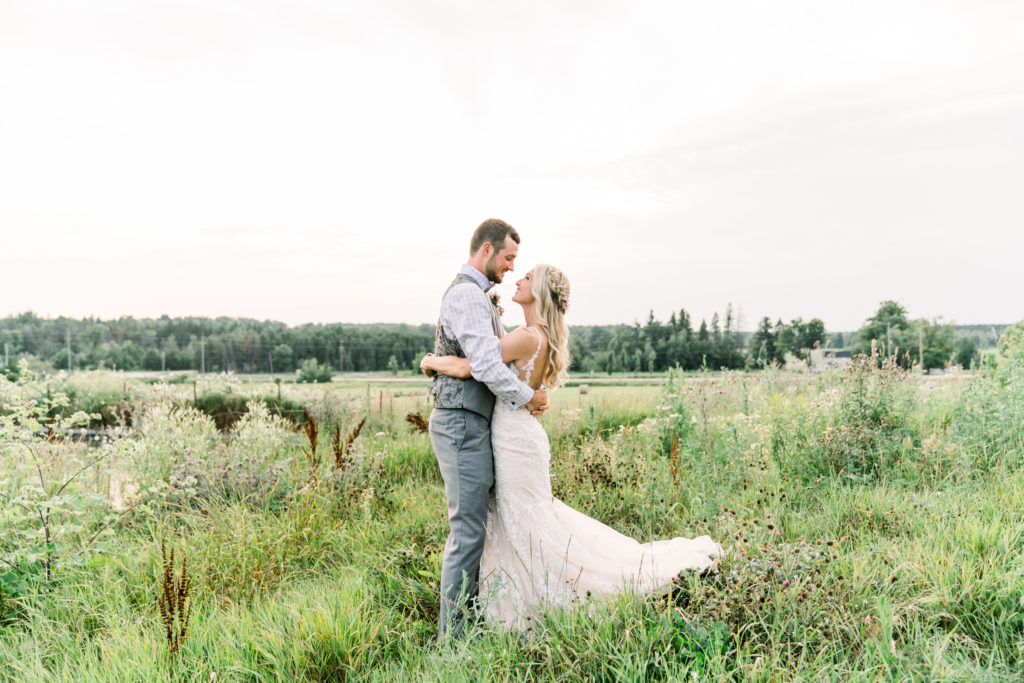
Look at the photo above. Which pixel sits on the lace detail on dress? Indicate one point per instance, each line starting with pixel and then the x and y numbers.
pixel 528 367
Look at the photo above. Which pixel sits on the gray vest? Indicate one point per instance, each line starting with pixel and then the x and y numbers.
pixel 454 392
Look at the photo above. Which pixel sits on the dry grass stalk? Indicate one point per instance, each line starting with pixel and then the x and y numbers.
pixel 674 460
pixel 341 456
pixel 52 436
pixel 353 435
pixel 417 422
pixel 312 430
pixel 343 449
pixel 175 605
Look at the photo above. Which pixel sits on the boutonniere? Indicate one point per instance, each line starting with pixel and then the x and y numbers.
pixel 496 301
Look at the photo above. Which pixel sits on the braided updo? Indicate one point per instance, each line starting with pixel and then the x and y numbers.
pixel 551 290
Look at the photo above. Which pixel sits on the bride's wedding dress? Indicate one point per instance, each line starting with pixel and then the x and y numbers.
pixel 539 552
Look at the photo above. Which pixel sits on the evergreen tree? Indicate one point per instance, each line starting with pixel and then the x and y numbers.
pixel 685 325
pixel 762 344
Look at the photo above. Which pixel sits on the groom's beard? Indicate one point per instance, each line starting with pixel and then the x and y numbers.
pixel 491 269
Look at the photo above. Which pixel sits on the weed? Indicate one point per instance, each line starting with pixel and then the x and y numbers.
pixel 174 601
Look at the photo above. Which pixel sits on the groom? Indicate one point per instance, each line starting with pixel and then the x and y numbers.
pixel 460 424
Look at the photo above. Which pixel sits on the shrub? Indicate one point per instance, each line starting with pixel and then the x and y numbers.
pixel 1011 343
pixel 254 468
pixel 169 435
pixel 105 395
pixel 311 372
pixel 227 409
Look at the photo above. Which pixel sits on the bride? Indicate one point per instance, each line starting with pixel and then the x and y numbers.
pixel 538 551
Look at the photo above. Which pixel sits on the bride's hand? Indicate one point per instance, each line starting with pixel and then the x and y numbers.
pixel 426 366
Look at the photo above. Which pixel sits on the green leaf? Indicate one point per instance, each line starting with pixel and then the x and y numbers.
pixel 98 560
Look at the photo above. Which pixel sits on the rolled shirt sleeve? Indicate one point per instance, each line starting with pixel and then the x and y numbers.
pixel 466 314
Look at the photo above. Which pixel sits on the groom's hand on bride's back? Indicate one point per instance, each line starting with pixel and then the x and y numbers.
pixel 538 404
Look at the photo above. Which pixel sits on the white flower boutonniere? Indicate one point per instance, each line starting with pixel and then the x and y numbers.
pixel 496 300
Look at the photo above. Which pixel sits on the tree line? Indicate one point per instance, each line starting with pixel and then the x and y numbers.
pixel 209 344
pixel 245 345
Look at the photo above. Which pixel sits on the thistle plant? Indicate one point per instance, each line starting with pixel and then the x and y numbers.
pixel 771 589
pixel 174 603
pixel 170 434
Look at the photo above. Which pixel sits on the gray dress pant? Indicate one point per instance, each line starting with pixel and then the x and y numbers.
pixel 462 444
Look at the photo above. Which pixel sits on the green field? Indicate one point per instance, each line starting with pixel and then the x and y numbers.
pixel 874 525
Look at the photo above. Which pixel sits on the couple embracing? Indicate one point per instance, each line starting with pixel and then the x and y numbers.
pixel 513 549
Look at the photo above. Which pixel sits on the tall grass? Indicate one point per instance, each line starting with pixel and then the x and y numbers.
pixel 873 523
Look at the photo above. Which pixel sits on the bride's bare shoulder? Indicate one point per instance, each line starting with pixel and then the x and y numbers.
pixel 517 344
pixel 532 330
pixel 538 334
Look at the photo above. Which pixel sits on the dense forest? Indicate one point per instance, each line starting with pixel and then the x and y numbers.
pixel 251 346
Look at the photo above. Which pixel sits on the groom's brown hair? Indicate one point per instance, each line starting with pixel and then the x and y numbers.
pixel 492 230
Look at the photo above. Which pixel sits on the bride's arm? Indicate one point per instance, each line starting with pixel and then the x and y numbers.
pixel 517 345
pixel 446 365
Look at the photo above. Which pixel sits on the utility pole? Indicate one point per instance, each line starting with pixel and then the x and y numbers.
pixel 341 354
pixel 202 354
pixel 69 348
pixel 163 361
pixel 270 357
pixel 888 338
pixel 6 361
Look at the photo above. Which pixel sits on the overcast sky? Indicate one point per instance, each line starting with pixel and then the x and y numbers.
pixel 311 161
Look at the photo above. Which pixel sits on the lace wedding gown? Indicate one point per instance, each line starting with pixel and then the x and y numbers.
pixel 539 552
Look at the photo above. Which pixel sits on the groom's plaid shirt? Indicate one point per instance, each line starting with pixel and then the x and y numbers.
pixel 466 316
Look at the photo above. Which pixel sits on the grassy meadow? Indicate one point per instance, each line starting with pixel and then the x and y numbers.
pixel 873 521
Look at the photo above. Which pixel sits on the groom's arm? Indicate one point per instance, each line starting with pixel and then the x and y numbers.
pixel 467 317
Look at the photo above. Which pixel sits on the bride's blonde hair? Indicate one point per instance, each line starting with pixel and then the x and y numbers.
pixel 551 290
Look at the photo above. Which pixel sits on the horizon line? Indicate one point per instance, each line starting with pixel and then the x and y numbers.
pixel 382 322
